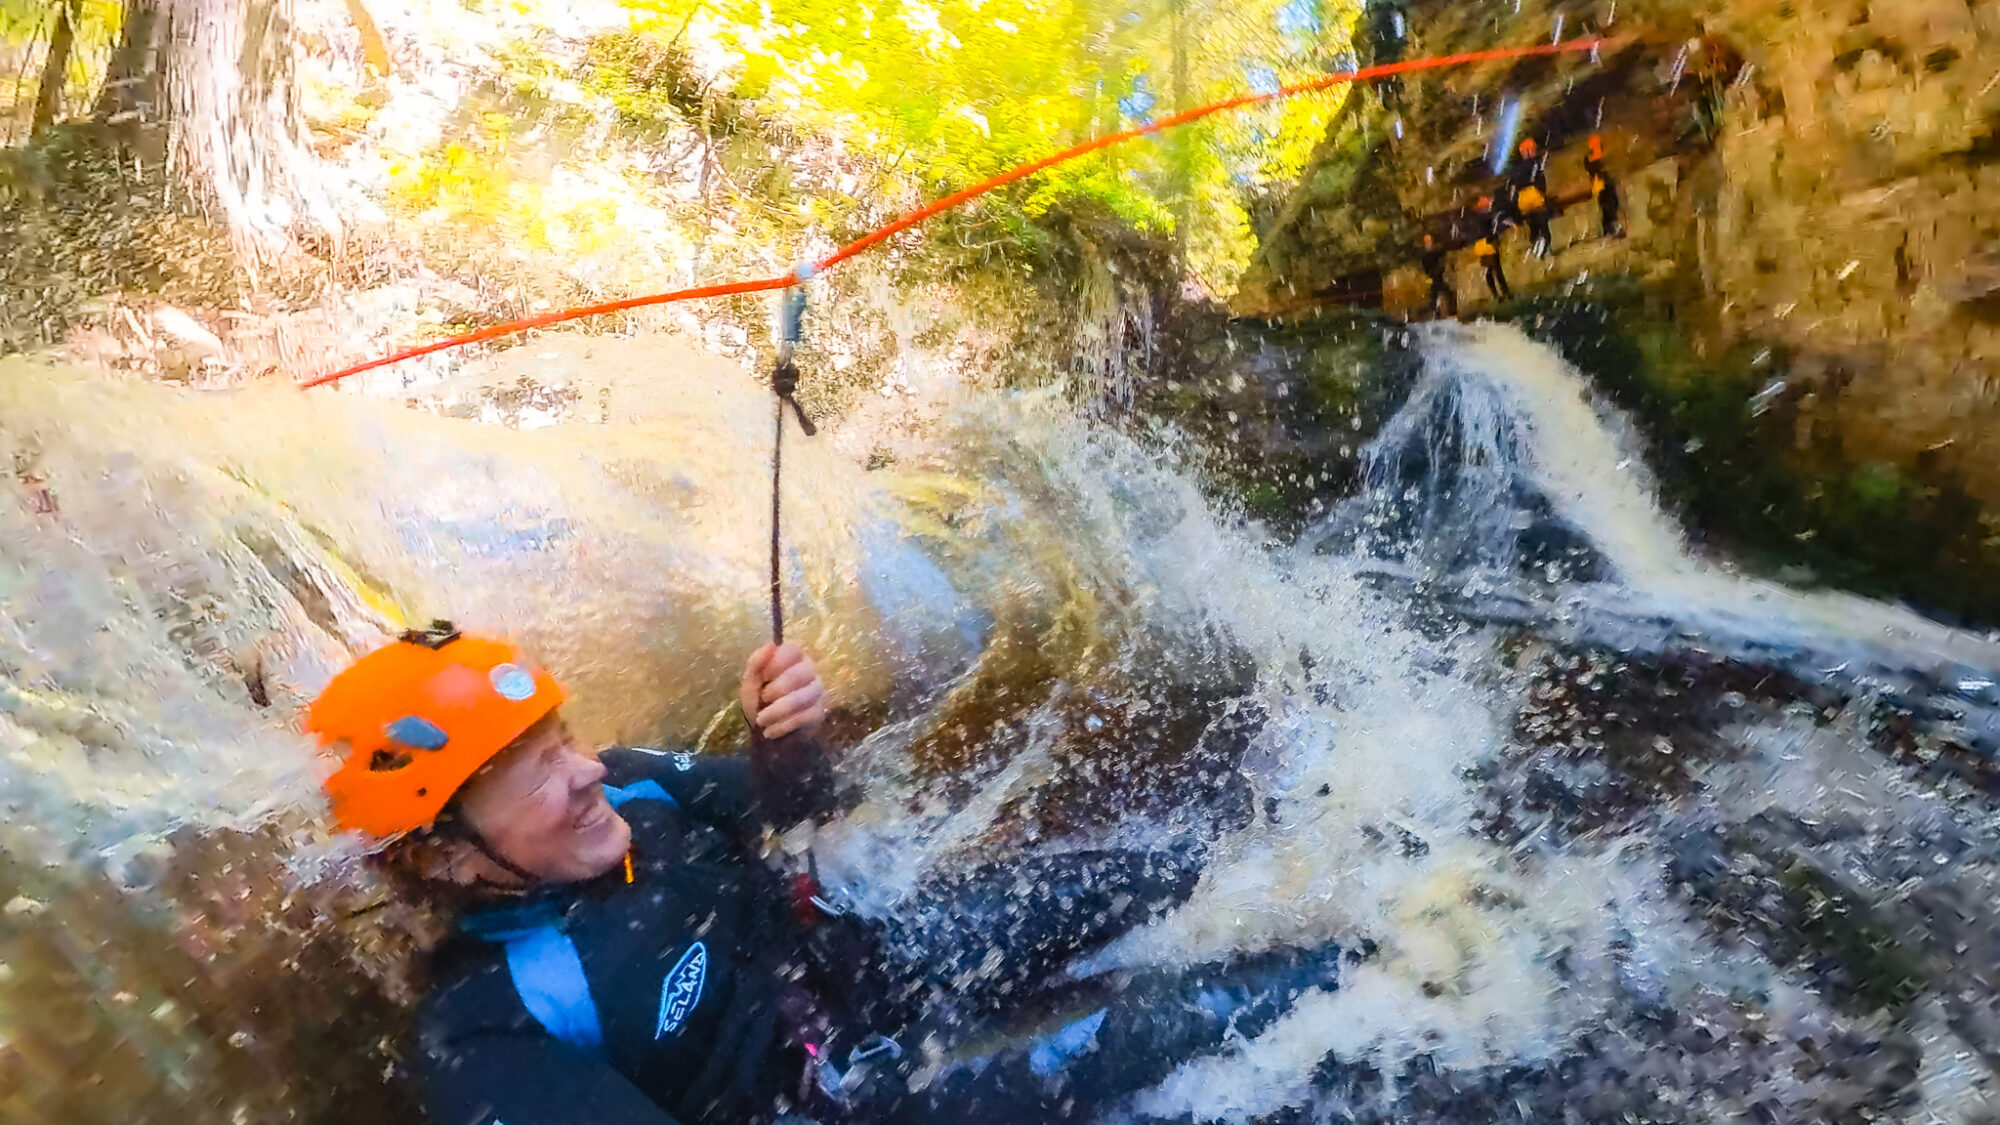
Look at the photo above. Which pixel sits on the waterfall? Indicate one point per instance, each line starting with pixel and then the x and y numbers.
pixel 1503 443
pixel 1067 644
pixel 1526 427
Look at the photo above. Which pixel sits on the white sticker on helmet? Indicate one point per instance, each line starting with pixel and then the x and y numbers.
pixel 512 682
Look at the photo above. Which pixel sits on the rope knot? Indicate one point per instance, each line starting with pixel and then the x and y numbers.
pixel 785 384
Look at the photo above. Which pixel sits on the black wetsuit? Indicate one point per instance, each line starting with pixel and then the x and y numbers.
pixel 706 982
pixel 686 964
pixel 1610 221
pixel 1492 227
pixel 1532 202
pixel 1443 300
pixel 1389 33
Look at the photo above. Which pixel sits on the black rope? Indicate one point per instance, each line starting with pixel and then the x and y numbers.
pixel 785 383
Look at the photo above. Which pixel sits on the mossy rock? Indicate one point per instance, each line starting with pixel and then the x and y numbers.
pixel 1725 440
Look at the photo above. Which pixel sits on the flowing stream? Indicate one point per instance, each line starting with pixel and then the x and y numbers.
pixel 1611 832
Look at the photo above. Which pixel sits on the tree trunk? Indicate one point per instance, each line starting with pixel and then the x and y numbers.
pixel 55 71
pixel 219 75
pixel 1180 140
pixel 132 84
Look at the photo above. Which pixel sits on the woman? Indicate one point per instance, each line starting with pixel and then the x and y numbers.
pixel 622 956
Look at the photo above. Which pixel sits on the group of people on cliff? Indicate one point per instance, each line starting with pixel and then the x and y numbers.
pixel 1526 203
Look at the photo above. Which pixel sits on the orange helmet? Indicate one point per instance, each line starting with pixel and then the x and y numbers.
pixel 1596 146
pixel 414 719
pixel 1528 146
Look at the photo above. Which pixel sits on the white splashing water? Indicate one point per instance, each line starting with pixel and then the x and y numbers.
pixel 1486 955
pixel 1367 830
pixel 1470 985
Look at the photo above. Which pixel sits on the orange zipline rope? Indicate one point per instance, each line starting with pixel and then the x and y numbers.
pixel 882 234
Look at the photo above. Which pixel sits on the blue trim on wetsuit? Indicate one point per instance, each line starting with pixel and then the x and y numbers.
pixel 543 961
pixel 1055 1050
pixel 647 790
pixel 548 973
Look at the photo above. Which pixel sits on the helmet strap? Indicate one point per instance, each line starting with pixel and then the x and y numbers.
pixel 451 826
pixel 479 844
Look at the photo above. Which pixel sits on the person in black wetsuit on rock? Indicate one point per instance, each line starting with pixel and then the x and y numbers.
pixel 1443 299
pixel 1492 225
pixel 622 956
pixel 1531 196
pixel 1610 219
pixel 1389 37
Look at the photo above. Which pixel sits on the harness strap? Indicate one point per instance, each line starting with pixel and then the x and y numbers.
pixel 548 974
pixel 547 970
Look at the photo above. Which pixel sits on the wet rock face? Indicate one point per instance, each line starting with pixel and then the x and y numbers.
pixel 1643 1069
pixel 1850 204
pixel 1163 751
pixel 1602 739
pixel 1758 880
pixel 1746 450
pixel 1868 875
pixel 1279 410
pixel 1807 182
pixel 173 591
pixel 256 1008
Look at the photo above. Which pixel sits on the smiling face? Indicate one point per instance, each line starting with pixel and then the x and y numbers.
pixel 540 804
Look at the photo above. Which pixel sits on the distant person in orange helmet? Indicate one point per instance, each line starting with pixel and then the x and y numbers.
pixel 1604 189
pixel 1531 195
pixel 1487 248
pixel 621 954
